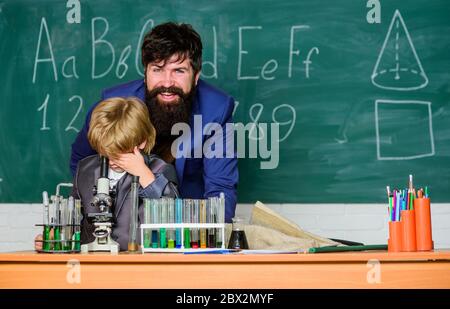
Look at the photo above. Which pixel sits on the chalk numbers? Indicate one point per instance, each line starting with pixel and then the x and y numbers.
pixel 284 115
pixel 80 105
pixel 289 122
pixel 44 110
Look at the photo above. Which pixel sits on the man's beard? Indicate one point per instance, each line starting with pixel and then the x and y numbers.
pixel 164 115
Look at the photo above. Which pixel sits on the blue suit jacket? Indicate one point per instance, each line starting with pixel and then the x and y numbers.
pixel 197 177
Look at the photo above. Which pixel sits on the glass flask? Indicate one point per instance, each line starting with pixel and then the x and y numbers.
pixel 238 240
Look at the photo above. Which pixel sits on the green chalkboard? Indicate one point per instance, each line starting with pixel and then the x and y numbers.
pixel 360 104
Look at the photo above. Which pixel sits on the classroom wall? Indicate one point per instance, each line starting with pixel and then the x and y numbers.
pixel 347 127
pixel 366 223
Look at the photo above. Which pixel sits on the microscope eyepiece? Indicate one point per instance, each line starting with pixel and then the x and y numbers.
pixel 104 165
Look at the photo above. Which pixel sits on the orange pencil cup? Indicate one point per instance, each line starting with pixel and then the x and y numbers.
pixel 408 219
pixel 395 241
pixel 424 239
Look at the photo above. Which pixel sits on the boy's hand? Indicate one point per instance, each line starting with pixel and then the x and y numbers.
pixel 38 242
pixel 134 164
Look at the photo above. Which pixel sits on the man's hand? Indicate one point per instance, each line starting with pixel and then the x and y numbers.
pixel 134 164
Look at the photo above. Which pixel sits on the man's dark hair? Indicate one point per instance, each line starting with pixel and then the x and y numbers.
pixel 169 39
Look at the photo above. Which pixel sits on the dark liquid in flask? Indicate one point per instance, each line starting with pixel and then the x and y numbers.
pixel 238 240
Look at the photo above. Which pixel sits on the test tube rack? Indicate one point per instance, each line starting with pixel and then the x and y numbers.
pixel 59 246
pixel 169 226
pixel 62 224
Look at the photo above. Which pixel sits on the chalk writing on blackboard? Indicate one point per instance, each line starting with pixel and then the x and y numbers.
pixel 411 111
pixel 255 112
pixel 70 126
pixel 398 67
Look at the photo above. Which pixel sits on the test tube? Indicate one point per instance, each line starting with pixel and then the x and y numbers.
pixel 178 219
pixel 68 230
pixel 46 221
pixel 163 219
pixel 147 232
pixel 57 226
pixel 52 221
pixel 154 218
pixel 202 220
pixel 132 240
pixel 211 210
pixel 220 219
pixel 187 219
pixel 77 228
pixel 194 219
pixel 171 219
pixel 63 222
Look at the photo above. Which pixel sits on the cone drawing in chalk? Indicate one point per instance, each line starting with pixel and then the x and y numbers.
pixel 398 67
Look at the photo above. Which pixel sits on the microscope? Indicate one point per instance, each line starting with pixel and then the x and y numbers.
pixel 102 220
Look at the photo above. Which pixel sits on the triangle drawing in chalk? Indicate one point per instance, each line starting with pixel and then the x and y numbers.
pixel 398 67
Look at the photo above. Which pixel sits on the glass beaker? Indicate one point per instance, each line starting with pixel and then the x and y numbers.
pixel 238 240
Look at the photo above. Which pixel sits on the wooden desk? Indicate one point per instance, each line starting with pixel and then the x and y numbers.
pixel 327 270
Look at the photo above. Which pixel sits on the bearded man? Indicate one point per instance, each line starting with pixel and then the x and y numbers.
pixel 174 93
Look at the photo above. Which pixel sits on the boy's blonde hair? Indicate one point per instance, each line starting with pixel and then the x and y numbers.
pixel 118 125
